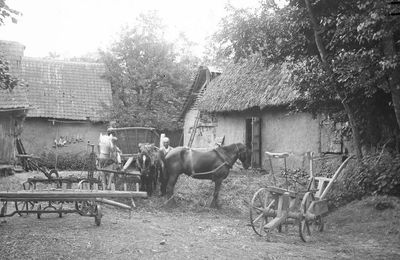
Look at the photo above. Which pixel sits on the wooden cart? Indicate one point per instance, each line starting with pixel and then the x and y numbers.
pixel 272 207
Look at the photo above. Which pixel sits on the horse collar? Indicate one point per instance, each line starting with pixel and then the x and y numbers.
pixel 225 161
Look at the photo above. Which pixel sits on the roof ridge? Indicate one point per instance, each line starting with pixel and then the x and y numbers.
pixel 62 61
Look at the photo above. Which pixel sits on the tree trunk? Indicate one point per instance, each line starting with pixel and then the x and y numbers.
pixel 328 70
pixel 394 77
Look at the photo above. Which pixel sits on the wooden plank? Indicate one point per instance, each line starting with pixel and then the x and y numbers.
pixel 70 194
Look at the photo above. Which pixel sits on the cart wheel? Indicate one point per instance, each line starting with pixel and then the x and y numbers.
pixel 23 205
pixel 27 185
pixel 53 172
pixel 304 223
pixel 263 205
pixel 98 216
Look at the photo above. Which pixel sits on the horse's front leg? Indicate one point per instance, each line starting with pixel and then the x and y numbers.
pixel 214 202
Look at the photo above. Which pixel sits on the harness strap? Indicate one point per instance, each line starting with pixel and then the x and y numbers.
pixel 193 173
pixel 213 171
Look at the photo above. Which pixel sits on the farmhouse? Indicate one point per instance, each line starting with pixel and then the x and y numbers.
pixel 69 101
pixel 249 102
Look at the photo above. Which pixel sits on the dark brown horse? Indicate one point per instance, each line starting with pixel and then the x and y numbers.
pixel 150 167
pixel 212 165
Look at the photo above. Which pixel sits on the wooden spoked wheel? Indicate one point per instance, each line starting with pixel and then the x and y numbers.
pixel 23 206
pixel 262 209
pixel 304 223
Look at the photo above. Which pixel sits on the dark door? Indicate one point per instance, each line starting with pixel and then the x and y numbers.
pixel 253 140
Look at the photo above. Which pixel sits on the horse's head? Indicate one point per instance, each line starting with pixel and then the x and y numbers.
pixel 144 163
pixel 244 155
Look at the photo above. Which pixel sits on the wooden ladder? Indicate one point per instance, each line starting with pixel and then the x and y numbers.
pixel 198 115
pixel 194 129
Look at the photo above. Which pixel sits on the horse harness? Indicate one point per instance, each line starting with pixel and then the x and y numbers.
pixel 225 163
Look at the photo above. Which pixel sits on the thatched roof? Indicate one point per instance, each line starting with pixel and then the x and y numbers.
pixel 203 77
pixel 248 84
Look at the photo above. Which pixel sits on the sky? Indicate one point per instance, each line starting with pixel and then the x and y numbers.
pixel 73 28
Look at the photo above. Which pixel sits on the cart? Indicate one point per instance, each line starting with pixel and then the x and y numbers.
pixel 128 140
pixel 272 207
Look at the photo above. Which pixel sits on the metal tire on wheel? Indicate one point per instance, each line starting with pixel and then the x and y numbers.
pixel 261 204
pixel 304 223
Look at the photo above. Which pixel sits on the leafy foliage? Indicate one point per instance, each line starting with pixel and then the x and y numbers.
pixel 7 81
pixel 7 13
pixel 377 175
pixel 149 79
pixel 361 40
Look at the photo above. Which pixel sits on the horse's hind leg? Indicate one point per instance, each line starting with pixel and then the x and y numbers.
pixel 214 202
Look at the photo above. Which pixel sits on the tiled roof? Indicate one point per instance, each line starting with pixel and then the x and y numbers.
pixel 66 90
pixel 15 99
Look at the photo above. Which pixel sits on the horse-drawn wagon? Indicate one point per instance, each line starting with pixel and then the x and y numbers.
pixel 130 142
pixel 272 207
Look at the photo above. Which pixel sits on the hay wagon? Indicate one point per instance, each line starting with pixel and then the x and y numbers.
pixel 272 207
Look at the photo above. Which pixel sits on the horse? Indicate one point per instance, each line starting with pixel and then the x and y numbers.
pixel 149 166
pixel 211 165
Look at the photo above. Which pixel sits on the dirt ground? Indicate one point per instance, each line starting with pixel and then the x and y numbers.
pixel 356 231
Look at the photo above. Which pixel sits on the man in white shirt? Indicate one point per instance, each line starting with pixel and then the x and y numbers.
pixel 166 147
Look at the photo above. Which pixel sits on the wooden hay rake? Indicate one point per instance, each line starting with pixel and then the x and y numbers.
pixel 57 194
pixel 272 207
pixel 86 202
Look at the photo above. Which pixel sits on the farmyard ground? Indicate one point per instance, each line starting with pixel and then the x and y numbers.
pixel 193 231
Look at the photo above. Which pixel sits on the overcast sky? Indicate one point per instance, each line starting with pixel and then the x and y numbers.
pixel 73 28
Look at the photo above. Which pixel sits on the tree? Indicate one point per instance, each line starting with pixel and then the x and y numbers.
pixel 7 81
pixel 148 78
pixel 336 52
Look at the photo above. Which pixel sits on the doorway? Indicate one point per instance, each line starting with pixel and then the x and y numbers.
pixel 253 140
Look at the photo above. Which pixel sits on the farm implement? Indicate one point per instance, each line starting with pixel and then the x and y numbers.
pixel 58 195
pixel 86 202
pixel 273 207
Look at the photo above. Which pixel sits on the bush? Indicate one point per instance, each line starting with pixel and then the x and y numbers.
pixel 375 175
pixel 66 161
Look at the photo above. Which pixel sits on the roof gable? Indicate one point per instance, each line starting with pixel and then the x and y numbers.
pixel 66 90
pixel 248 84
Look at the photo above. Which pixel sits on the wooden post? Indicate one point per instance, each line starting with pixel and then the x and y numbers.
pixel 162 136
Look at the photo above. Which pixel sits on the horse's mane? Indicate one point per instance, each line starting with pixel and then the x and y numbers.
pixel 231 148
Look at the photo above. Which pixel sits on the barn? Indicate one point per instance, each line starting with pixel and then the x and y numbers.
pixel 249 103
pixel 70 101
